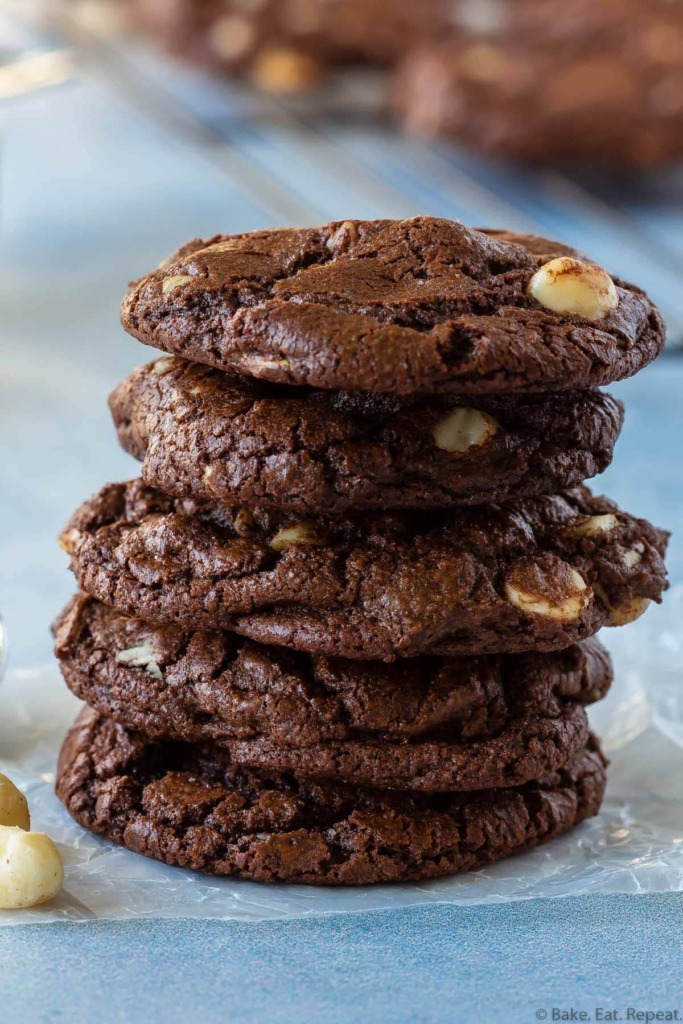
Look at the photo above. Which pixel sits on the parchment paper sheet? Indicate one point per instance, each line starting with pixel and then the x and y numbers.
pixel 635 845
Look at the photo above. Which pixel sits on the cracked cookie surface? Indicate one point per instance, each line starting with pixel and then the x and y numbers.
pixel 433 724
pixel 538 574
pixel 206 434
pixel 414 306
pixel 188 806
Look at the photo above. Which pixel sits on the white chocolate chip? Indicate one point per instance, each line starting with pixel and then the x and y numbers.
pixel 568 285
pixel 68 540
pixel 297 533
pixel 171 284
pixel 634 557
pixel 31 870
pixel 163 364
pixel 13 805
pixel 257 364
pixel 144 656
pixel 464 428
pixel 227 245
pixel 629 611
pixel 594 526
pixel 343 238
pixel 285 71
pixel 552 591
pixel 232 36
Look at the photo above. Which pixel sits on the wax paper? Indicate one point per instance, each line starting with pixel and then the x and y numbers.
pixel 634 846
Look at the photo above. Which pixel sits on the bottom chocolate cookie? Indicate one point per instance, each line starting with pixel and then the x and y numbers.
pixel 187 805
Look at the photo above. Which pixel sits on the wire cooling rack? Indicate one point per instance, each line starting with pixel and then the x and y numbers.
pixel 338 155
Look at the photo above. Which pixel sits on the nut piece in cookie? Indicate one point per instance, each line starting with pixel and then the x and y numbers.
pixel 567 285
pixel 344 237
pixel 142 656
pixel 464 428
pixel 627 611
pixel 176 281
pixel 594 526
pixel 296 533
pixel 630 611
pixel 547 587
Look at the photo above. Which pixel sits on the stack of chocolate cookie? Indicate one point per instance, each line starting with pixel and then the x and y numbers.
pixel 341 630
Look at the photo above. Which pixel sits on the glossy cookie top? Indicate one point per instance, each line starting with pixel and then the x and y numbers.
pixel 415 306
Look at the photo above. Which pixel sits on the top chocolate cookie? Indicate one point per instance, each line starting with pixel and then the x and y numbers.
pixel 416 306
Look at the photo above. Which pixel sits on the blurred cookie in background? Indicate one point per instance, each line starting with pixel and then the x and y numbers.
pixel 552 83
pixel 287 46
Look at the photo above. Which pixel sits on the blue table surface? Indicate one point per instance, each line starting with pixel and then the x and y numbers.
pixel 424 965
pixel 94 193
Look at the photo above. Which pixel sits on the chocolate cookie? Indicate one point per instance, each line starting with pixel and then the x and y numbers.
pixel 187 805
pixel 422 305
pixel 423 723
pixel 584 82
pixel 538 574
pixel 221 437
pixel 287 45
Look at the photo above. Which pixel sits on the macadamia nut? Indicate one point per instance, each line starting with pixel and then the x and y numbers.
pixel 143 656
pixel 568 285
pixel 297 533
pixel 13 805
pixel 633 557
pixel 629 611
pixel 464 428
pixel 343 238
pixel 548 587
pixel 175 282
pixel 31 870
pixel 595 526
